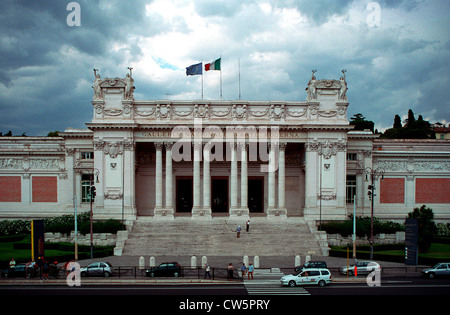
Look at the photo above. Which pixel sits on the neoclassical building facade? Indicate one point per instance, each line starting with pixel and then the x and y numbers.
pixel 166 158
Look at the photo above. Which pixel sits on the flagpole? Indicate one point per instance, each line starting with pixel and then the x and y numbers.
pixel 202 80
pixel 239 70
pixel 220 77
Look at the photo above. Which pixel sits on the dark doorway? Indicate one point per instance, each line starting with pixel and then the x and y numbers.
pixel 219 196
pixel 256 195
pixel 184 195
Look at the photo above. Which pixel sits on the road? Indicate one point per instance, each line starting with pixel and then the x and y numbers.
pixel 259 294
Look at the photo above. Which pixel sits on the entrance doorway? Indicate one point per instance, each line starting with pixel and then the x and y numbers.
pixel 256 195
pixel 184 195
pixel 219 195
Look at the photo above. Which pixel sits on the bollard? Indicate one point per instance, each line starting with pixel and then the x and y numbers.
pixel 141 262
pixel 308 258
pixel 152 262
pixel 297 261
pixel 245 260
pixel 256 262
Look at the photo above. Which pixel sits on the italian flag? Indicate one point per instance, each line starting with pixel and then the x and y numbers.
pixel 214 65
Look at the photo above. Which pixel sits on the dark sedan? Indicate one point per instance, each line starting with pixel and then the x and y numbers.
pixel 167 269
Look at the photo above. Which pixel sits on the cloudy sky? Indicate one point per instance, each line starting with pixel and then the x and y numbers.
pixel 396 54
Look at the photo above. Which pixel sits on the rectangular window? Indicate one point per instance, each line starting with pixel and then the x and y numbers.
pixel 352 156
pixel 87 155
pixel 86 180
pixel 350 188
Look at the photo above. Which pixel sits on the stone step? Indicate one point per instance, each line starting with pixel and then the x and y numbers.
pixel 217 236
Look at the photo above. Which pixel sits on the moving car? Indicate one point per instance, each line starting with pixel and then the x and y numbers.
pixel 362 267
pixel 438 270
pixel 167 269
pixel 318 276
pixel 311 264
pixel 103 269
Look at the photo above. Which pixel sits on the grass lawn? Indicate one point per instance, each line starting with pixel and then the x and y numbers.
pixel 7 252
pixel 436 252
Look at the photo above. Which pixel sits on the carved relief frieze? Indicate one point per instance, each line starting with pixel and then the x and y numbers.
pixel 113 149
pixel 11 164
pixel 413 166
pixel 113 196
pixel 327 148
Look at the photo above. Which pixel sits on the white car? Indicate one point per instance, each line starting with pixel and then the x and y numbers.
pixel 319 276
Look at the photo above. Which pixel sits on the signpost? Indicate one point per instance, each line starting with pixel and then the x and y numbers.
pixel 37 239
pixel 411 242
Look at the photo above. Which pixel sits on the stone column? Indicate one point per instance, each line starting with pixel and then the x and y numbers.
pixel 196 174
pixel 234 178
pixel 158 177
pixel 169 178
pixel 244 179
pixel 281 179
pixel 206 182
pixel 271 180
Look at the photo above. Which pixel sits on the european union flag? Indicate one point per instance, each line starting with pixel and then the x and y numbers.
pixel 194 69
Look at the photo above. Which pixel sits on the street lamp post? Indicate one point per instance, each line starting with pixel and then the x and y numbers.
pixel 374 174
pixel 92 194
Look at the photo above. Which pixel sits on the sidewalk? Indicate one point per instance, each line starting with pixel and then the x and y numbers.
pixel 285 264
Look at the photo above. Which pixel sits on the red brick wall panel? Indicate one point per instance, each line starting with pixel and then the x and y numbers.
pixel 45 189
pixel 10 189
pixel 392 190
pixel 432 190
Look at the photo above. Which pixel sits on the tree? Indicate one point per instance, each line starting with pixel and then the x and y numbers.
pixel 397 122
pixel 53 134
pixel 360 122
pixel 427 227
pixel 413 129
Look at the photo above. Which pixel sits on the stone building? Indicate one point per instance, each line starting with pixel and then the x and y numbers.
pixel 209 158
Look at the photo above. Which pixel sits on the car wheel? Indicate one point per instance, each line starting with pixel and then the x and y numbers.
pixel 431 275
pixel 106 274
pixel 83 274
pixel 292 283
pixel 322 283
pixel 152 274
pixel 175 274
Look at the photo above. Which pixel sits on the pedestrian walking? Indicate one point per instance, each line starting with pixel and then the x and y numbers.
pixel 230 272
pixel 12 266
pixel 243 268
pixel 250 271
pixel 238 231
pixel 45 270
pixel 207 270
pixel 248 226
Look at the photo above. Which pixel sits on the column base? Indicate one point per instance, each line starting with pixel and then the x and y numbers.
pixel 164 213
pixel 281 212
pixel 201 213
pixel 239 212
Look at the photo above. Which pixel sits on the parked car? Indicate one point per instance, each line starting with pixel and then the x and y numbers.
pixel 19 272
pixel 319 276
pixel 103 269
pixel 311 264
pixel 167 269
pixel 363 267
pixel 438 270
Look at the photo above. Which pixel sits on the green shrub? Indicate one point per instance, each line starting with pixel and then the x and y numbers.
pixel 345 228
pixel 14 227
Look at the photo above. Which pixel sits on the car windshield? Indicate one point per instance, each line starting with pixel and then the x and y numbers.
pixel 435 266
